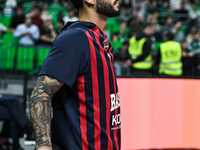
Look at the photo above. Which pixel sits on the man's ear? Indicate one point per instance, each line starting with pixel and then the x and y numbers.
pixel 89 2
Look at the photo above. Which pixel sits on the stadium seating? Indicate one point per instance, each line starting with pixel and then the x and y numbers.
pixel 7 57
pixel 25 58
pixel 41 55
pixel 8 39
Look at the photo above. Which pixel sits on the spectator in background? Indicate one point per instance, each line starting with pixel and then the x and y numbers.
pixel 61 23
pixel 126 4
pixel 140 6
pixel 153 7
pixel 153 18
pixel 27 33
pixel 35 15
pixel 182 13
pixel 169 56
pixel 169 25
pixel 194 15
pixel 187 4
pixel 174 28
pixel 48 34
pixel 9 6
pixel 189 60
pixel 175 4
pixel 133 17
pixel 121 56
pixel 136 25
pixel 163 7
pixel 115 42
pixel 164 15
pixel 194 44
pixel 44 14
pixel 2 2
pixel 124 31
pixel 71 16
pixel 15 121
pixel 140 51
pixel 17 19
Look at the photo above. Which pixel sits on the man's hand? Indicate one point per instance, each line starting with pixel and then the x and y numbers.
pixel 24 33
pixel 30 35
pixel 40 110
pixel 129 62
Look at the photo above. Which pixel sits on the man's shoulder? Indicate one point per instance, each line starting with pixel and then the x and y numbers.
pixel 77 33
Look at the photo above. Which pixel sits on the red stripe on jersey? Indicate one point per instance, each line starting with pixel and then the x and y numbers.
pixel 107 93
pixel 96 29
pixel 95 85
pixel 82 105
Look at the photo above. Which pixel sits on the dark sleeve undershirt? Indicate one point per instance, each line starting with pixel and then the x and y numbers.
pixel 146 51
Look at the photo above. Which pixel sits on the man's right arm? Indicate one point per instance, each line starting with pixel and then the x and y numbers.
pixel 40 110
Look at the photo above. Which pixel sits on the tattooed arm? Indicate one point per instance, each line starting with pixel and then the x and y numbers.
pixel 40 109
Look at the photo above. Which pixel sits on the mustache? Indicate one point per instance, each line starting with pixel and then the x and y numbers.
pixel 116 1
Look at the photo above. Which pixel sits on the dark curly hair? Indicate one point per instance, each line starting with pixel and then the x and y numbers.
pixel 77 3
pixel 169 35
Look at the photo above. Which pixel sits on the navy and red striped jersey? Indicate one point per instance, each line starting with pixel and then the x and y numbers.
pixel 86 110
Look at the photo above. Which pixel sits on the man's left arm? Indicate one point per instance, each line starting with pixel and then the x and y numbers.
pixel 40 109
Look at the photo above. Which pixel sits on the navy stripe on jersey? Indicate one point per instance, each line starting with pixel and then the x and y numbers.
pixel 112 74
pixel 89 109
pixel 95 85
pixel 116 110
pixel 107 91
pixel 112 90
pixel 101 67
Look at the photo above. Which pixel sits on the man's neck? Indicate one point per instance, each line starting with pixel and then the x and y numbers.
pixel 91 16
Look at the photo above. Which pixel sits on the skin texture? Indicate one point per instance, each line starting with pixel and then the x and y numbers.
pixel 40 109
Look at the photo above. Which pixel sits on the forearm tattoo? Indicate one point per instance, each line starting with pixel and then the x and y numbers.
pixel 40 108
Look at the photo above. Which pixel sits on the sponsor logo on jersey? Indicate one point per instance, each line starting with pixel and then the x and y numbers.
pixel 115 104
pixel 106 45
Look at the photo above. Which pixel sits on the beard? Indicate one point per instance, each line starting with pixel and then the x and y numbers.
pixel 105 9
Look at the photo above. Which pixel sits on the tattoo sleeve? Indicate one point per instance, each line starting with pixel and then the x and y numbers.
pixel 40 108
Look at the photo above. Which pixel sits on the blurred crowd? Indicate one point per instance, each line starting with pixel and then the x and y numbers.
pixel 35 25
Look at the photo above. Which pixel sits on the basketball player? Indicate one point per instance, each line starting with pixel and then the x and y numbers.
pixel 78 81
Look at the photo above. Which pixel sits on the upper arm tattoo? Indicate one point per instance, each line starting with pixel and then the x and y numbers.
pixel 40 108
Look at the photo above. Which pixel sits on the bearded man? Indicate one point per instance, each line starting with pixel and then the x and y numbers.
pixel 75 103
